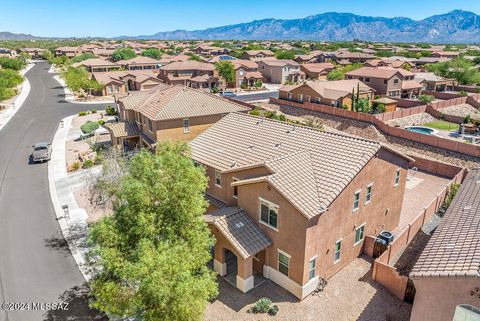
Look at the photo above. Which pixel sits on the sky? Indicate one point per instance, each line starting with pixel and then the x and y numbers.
pixel 108 18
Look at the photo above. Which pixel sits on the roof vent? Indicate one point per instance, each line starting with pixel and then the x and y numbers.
pixel 277 145
pixel 251 146
pixel 467 208
pixel 239 225
pixel 219 150
pixel 234 164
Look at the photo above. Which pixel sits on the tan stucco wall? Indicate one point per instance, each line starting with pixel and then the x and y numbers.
pixel 437 297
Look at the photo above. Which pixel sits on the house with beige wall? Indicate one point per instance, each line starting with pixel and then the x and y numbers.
pixel 279 71
pixel 336 93
pixel 166 113
pixel 190 73
pixel 116 82
pixel 292 203
pixel 317 71
pixel 388 81
pixel 446 275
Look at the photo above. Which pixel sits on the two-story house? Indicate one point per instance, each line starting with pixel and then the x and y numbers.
pixel 279 71
pixel 388 81
pixel 166 113
pixel 246 72
pixel 314 71
pixel 190 73
pixel 292 203
pixel 140 63
pixel 258 54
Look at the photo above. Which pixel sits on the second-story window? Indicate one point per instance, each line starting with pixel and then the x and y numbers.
pixel 235 189
pixel 338 248
pixel 397 177
pixel 218 178
pixel 356 201
pixel 150 125
pixel 268 213
pixel 186 125
pixel 368 195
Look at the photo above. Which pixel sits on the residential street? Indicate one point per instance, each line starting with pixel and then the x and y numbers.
pixel 35 264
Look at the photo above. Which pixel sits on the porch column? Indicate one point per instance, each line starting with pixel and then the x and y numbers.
pixel 245 274
pixel 219 264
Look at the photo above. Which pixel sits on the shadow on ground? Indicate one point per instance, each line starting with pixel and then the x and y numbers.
pixel 76 302
pixel 58 242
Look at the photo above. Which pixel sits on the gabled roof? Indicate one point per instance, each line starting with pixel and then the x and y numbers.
pixel 189 65
pixel 139 60
pixel 332 89
pixel 174 102
pixel 238 228
pixel 318 67
pixel 379 72
pixel 454 249
pixel 279 62
pixel 94 62
pixel 310 168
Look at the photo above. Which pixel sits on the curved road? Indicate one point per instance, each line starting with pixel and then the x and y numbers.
pixel 35 265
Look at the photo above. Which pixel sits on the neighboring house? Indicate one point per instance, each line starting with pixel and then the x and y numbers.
pixel 294 203
pixel 246 71
pixel 310 58
pixel 446 275
pixel 167 113
pixel 140 63
pixel 315 71
pixel 10 53
pixel 279 71
pixel 69 52
pixel 407 65
pixel 445 54
pixel 116 82
pixel 101 52
pixel 35 53
pixel 388 81
pixel 257 54
pixel 342 55
pixel 432 82
pixel 97 65
pixel 190 73
pixel 207 50
pixel 331 93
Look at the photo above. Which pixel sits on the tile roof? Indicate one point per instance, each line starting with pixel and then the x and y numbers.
pixel 189 65
pixel 309 167
pixel 410 84
pixel 278 62
pixel 174 102
pixel 318 67
pixel 454 249
pixel 379 72
pixel 334 90
pixel 93 62
pixel 238 228
pixel 139 60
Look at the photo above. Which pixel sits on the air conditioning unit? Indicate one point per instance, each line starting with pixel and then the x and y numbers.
pixel 386 236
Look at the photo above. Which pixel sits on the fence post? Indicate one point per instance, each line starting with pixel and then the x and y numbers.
pixel 424 214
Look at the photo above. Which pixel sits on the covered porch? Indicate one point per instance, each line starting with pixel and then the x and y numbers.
pixel 125 135
pixel 239 252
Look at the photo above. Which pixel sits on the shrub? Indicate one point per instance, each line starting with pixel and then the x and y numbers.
pixel 273 310
pixel 89 127
pixel 76 166
pixel 111 111
pixel 101 122
pixel 244 85
pixel 451 194
pixel 93 111
pixel 467 119
pixel 262 305
pixel 463 93
pixel 88 163
pixel 98 159
pixel 258 84
pixel 82 113
pixel 255 112
pixel 11 63
pixel 282 117
pixel 214 90
pixel 426 99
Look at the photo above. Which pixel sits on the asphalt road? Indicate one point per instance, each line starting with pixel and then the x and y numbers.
pixel 256 96
pixel 35 264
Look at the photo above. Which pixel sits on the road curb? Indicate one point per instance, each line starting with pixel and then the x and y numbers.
pixel 57 169
pixel 8 114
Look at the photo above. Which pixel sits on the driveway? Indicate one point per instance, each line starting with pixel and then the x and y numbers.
pixel 34 263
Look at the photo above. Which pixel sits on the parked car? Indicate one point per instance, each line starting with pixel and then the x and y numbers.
pixel 230 94
pixel 41 152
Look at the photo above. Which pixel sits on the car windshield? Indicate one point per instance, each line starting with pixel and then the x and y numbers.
pixel 38 147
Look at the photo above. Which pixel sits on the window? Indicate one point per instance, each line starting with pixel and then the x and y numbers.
pixel 235 189
pixel 368 195
pixel 397 177
pixel 395 81
pixel 367 79
pixel 359 233
pixel 317 100
pixel 150 125
pixel 289 96
pixel 311 268
pixel 338 247
pixel 186 125
pixel 356 200
pixel 109 89
pixel 117 88
pixel 218 178
pixel 300 97
pixel 283 262
pixel 268 213
pixel 307 98
pixel 385 82
pixel 361 79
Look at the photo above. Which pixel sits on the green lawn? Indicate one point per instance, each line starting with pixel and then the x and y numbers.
pixel 442 125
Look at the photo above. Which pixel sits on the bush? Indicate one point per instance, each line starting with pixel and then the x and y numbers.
pixel 88 163
pixel 111 111
pixel 76 166
pixel 98 159
pixel 11 63
pixel 451 195
pixel 82 113
pixel 214 90
pixel 426 99
pixel 467 119
pixel 93 111
pixel 258 84
pixel 262 305
pixel 101 122
pixel 255 112
pixel 89 127
pixel 244 86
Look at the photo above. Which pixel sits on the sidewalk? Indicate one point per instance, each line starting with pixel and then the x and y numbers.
pixel 9 112
pixel 62 187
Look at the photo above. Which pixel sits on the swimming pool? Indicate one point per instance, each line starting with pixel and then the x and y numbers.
pixel 422 130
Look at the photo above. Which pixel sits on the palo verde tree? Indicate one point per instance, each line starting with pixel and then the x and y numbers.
pixel 123 54
pixel 226 70
pixel 149 258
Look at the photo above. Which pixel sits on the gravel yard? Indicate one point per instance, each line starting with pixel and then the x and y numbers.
pixel 369 131
pixel 461 111
pixel 413 120
pixel 351 295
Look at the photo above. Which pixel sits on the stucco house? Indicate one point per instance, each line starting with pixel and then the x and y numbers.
pixel 331 93
pixel 246 71
pixel 292 203
pixel 140 63
pixel 166 113
pixel 190 73
pixel 446 275
pixel 315 71
pixel 116 82
pixel 279 71
pixel 258 54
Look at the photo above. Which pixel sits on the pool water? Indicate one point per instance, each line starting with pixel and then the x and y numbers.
pixel 421 130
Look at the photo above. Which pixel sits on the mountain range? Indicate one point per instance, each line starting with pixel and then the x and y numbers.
pixel 454 27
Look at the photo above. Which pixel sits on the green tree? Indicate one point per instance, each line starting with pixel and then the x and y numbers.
pixel 11 63
pixel 226 70
pixel 149 258
pixel 285 54
pixel 460 69
pixel 335 74
pixel 82 57
pixel 154 53
pixel 426 99
pixel 123 54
